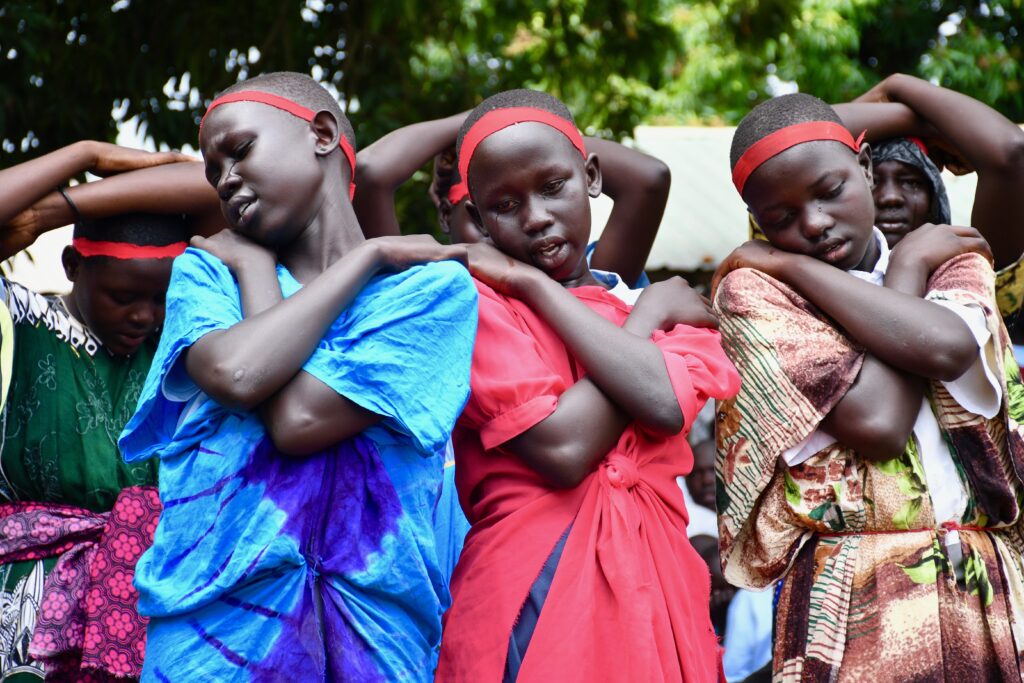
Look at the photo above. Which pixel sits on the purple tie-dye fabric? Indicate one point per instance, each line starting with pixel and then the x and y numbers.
pixel 266 567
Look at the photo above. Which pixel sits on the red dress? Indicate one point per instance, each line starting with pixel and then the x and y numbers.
pixel 629 598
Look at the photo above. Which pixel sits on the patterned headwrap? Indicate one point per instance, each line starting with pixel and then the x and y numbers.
pixel 912 152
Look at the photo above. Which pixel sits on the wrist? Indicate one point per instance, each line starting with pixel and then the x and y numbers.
pixel 642 321
pixel 529 284
pixel 906 275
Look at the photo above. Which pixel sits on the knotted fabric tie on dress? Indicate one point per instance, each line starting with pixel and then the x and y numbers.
pixel 88 619
pixel 621 471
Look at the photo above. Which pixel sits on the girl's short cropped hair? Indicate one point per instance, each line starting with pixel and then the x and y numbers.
pixel 514 98
pixel 141 229
pixel 301 89
pixel 775 114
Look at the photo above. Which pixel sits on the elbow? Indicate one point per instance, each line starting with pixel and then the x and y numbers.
pixel 566 466
pixel 370 173
pixel 665 423
pixel 289 428
pixel 658 179
pixel 230 386
pixel 954 359
pixel 881 439
pixel 1010 160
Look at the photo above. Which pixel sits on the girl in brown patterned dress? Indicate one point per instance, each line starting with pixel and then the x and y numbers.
pixel 873 457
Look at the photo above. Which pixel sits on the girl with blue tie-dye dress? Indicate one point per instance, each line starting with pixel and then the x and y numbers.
pixel 296 541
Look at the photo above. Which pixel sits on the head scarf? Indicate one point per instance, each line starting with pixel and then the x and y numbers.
pixel 911 151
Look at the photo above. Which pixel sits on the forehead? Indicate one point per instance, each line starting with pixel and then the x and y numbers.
pixel 525 147
pixel 798 168
pixel 894 167
pixel 137 274
pixel 244 117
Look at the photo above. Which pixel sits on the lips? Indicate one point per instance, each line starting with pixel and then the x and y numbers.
pixel 240 209
pixel 549 252
pixel 833 250
pixel 892 222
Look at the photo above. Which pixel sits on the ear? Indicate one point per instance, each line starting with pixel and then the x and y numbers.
pixel 474 216
pixel 327 131
pixel 592 167
pixel 72 262
pixel 864 159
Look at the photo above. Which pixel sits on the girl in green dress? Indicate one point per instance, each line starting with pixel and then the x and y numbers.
pixel 73 516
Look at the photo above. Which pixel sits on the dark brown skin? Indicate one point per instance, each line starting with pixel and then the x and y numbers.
pixel 814 203
pixel 983 138
pixel 701 480
pixel 120 301
pixel 531 190
pixel 29 206
pixel 638 184
pixel 283 187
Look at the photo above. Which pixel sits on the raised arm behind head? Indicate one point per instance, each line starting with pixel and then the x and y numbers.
pixel 392 160
pixel 639 186
pixel 24 185
pixel 985 139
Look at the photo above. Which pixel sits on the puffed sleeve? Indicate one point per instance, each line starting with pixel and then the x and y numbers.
pixel 513 386
pixel 202 297
pixel 698 368
pixel 402 350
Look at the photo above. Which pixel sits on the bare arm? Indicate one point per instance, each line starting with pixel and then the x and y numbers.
pixel 304 416
pixel 989 142
pixel 246 364
pixel 392 160
pixel 904 331
pixel 24 185
pixel 877 414
pixel 882 120
pixel 639 184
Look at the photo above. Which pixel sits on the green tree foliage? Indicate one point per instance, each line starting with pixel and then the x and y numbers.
pixel 66 64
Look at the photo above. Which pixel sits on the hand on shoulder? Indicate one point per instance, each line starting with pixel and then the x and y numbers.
pixel 499 271
pixel 235 250
pixel 759 255
pixel 673 302
pixel 400 252
pixel 931 245
pixel 112 159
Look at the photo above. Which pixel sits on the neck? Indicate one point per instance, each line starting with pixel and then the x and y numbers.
pixel 871 256
pixel 333 232
pixel 581 279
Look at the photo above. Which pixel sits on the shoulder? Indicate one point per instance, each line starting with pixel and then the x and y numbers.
pixel 746 291
pixel 967 271
pixel 440 278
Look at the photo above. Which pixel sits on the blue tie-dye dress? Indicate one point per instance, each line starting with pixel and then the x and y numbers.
pixel 324 568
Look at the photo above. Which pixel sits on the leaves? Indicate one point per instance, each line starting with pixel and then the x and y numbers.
pixel 616 63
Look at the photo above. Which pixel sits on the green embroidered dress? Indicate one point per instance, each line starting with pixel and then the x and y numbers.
pixel 67 402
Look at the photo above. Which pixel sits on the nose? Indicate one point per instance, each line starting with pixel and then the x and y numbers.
pixel 537 217
pixel 229 182
pixel 142 315
pixel 815 222
pixel 887 193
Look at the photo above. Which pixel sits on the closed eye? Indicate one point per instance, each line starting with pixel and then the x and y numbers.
pixel 553 186
pixel 834 192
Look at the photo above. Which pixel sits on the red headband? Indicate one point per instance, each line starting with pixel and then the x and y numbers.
pixel 920 144
pixel 293 108
pixel 123 250
pixel 784 138
pixel 499 119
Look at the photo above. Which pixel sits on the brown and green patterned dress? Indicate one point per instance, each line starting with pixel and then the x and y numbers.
pixel 869 592
pixel 67 401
